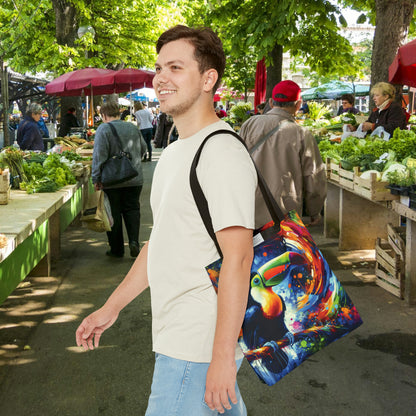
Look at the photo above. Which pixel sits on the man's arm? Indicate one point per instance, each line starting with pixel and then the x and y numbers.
pixel 237 247
pixel 89 332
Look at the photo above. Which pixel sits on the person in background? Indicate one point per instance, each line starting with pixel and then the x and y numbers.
pixel 144 120
pixel 43 129
pixel 223 113
pixel 68 121
pixel 260 108
pixel 304 109
pixel 124 112
pixel 164 126
pixel 289 159
pixel 156 113
pixel 388 113
pixel 195 331
pixel 29 136
pixel 123 197
pixel 347 101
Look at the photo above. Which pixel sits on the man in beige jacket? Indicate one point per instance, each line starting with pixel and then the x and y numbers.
pixel 288 159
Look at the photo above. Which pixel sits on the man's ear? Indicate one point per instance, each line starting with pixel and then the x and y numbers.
pixel 271 102
pixel 211 77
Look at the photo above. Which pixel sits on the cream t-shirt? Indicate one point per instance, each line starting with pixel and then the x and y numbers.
pixel 184 303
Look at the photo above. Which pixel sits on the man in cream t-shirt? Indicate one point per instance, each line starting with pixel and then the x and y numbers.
pixel 194 331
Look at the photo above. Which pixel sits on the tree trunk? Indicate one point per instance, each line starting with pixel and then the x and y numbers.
pixel 67 23
pixel 392 23
pixel 5 102
pixel 274 71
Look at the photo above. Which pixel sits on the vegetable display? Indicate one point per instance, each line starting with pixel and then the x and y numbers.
pixel 13 159
pixel 50 176
pixel 391 158
pixel 40 172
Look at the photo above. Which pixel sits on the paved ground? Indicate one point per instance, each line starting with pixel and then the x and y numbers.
pixel 371 372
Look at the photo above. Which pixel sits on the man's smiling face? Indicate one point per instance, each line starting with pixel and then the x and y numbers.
pixel 178 81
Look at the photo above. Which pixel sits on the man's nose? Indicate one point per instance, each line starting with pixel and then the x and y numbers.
pixel 160 77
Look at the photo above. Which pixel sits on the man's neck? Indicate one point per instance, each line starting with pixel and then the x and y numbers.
pixel 290 110
pixel 195 120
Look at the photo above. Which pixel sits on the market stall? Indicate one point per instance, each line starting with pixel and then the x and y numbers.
pixel 32 225
pixel 371 194
pixel 40 195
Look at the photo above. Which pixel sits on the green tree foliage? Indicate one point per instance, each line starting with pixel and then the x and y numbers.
pixel 308 28
pixel 41 35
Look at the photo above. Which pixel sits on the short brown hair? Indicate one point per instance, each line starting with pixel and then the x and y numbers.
pixel 349 98
pixel 209 52
pixel 138 106
pixel 110 109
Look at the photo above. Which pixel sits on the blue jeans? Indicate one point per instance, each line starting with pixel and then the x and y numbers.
pixel 178 389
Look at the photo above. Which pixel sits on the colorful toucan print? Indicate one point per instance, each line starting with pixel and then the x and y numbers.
pixel 264 322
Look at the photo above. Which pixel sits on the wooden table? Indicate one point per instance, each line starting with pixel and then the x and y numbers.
pixel 357 222
pixel 410 258
pixel 33 225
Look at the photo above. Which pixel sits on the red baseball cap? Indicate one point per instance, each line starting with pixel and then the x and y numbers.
pixel 289 89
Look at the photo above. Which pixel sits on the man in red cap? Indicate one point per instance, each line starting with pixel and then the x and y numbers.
pixel 287 156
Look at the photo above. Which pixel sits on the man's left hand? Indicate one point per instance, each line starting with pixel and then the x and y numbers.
pixel 220 385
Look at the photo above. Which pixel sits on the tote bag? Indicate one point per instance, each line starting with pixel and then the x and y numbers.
pixel 296 305
pixel 97 213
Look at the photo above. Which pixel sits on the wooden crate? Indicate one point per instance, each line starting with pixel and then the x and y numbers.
pixel 389 269
pixel 85 152
pixel 5 181
pixel 4 197
pixel 397 239
pixel 372 188
pixel 346 178
pixel 337 174
pixel 332 170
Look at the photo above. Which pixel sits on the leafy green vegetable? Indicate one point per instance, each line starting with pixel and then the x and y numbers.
pixel 318 110
pixel 49 177
pixel 403 143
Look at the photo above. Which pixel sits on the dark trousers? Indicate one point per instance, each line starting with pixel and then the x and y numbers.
pixel 147 136
pixel 125 205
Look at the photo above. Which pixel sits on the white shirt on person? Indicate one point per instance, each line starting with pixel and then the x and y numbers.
pixel 184 302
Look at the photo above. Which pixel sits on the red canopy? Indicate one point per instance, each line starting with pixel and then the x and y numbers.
pixel 260 84
pixel 403 69
pixel 78 82
pixel 126 79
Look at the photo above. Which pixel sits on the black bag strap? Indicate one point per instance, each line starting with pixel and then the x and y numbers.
pixel 114 130
pixel 202 203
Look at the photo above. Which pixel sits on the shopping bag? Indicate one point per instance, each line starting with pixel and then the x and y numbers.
pixel 379 131
pixel 357 133
pixel 296 305
pixel 97 213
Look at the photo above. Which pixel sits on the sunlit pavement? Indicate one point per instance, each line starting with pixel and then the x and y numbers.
pixel 370 372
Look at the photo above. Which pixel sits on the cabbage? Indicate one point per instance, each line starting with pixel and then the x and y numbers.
pixel 367 174
pixel 393 167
